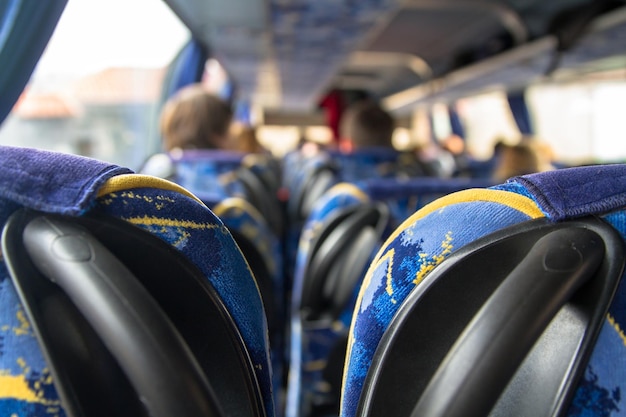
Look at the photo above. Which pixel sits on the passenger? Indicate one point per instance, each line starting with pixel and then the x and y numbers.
pixel 366 125
pixel 526 157
pixel 437 161
pixel 193 118
pixel 366 136
pixel 454 145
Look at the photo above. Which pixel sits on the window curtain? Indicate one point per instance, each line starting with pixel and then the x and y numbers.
pixel 519 109
pixel 186 68
pixel 455 122
pixel 25 29
pixel 431 127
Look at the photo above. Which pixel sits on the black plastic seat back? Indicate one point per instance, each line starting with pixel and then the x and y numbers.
pixel 318 177
pixel 264 197
pixel 338 258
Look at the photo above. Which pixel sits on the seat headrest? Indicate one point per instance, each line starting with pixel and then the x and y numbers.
pixel 50 181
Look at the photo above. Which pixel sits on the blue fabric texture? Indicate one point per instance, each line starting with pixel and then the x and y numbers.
pixel 51 182
pixel 375 162
pixel 601 389
pixel 574 192
pixel 401 264
pixel 26 385
pixel 519 109
pixel 208 173
pixel 255 229
pixel 404 196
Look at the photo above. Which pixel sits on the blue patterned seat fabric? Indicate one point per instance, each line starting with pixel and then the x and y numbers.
pixel 376 162
pixel 213 175
pixel 70 185
pixel 404 196
pixel 430 235
pixel 241 218
pixel 238 215
pixel 203 172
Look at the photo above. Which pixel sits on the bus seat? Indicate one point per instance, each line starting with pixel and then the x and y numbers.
pixel 338 242
pixel 259 246
pixel 122 334
pixel 294 164
pixel 404 196
pixel 377 162
pixel 263 252
pixel 261 187
pixel 313 179
pixel 501 301
pixel 215 174
pixel 223 180
pixel 268 168
pixel 203 172
pixel 305 186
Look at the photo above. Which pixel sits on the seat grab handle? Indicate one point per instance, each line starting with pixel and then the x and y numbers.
pixel 130 323
pixel 486 355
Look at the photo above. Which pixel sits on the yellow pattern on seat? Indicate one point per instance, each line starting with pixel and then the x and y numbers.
pixel 513 200
pixel 131 181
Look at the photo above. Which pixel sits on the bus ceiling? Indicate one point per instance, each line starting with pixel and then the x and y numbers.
pixel 287 54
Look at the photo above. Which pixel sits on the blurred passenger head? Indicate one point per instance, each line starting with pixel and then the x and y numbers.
pixel 194 118
pixel 520 159
pixel 366 124
pixel 453 144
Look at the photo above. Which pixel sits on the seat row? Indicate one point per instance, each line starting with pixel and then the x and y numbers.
pixel 123 294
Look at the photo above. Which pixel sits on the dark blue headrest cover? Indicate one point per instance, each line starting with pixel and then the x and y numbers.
pixel 574 192
pixel 49 181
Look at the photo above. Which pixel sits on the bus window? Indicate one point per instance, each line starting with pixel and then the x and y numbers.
pixel 582 121
pixel 487 119
pixel 279 139
pixel 95 88
pixel 579 120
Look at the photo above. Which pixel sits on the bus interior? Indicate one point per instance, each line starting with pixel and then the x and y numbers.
pixel 311 278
